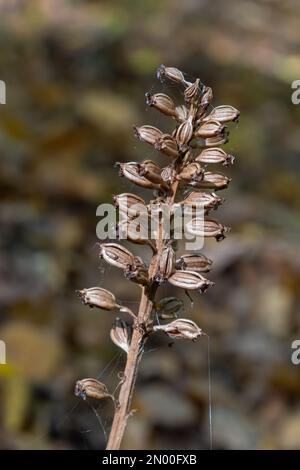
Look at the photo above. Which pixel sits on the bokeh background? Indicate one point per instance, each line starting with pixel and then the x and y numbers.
pixel 76 73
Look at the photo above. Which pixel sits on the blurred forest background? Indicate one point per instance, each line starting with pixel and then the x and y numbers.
pixel 76 74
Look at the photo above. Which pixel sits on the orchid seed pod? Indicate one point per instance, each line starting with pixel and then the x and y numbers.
pixel 165 264
pixel 152 172
pixel 148 134
pixel 215 155
pixel 184 133
pixel 206 98
pixel 181 113
pixel 209 129
pixel 168 174
pixel 134 231
pixel 224 113
pixel 171 74
pixel 191 93
pixel 190 172
pixel 206 228
pixel 194 262
pixel 182 328
pixel 162 102
pixel 137 272
pixel 98 297
pixel 130 204
pixel 131 171
pixel 167 145
pixel 189 280
pixel 116 255
pixel 219 139
pixel 211 180
pixel 120 334
pixel 168 308
pixel 91 388
pixel 206 200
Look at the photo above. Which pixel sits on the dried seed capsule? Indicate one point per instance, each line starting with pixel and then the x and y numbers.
pixel 131 171
pixel 116 255
pixel 134 231
pixel 98 297
pixel 168 174
pixel 215 181
pixel 130 204
pixel 152 172
pixel 206 98
pixel 209 129
pixel 137 272
pixel 166 264
pixel 191 93
pixel 171 74
pixel 91 388
pixel 167 145
pixel 181 328
pixel 206 228
pixel 215 155
pixel 205 200
pixel 219 139
pixel 169 307
pixel 181 113
pixel 162 102
pixel 190 172
pixel 184 133
pixel 224 113
pixel 149 134
pixel 194 262
pixel 189 280
pixel 120 334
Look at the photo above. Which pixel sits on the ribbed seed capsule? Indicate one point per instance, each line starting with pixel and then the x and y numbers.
pixel 120 334
pixel 131 171
pixel 206 98
pixel 194 262
pixel 214 181
pixel 219 139
pixel 171 74
pixel 166 264
pixel 162 102
pixel 191 93
pixel 181 328
pixel 98 297
pixel 168 174
pixel 209 129
pixel 184 133
pixel 169 307
pixel 205 200
pixel 137 272
pixel 215 155
pixel 130 204
pixel 91 388
pixel 224 113
pixel 116 255
pixel 190 280
pixel 133 230
pixel 206 228
pixel 190 172
pixel 167 145
pixel 152 172
pixel 149 134
pixel 181 113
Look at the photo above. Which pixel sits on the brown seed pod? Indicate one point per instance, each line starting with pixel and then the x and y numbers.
pixel 91 388
pixel 181 113
pixel 162 102
pixel 152 172
pixel 137 272
pixel 170 74
pixel 116 255
pixel 206 228
pixel 168 308
pixel 120 334
pixel 224 113
pixel 130 205
pixel 182 328
pixel 148 134
pixel 131 171
pixel 167 145
pixel 165 264
pixel 98 297
pixel 209 129
pixel 190 280
pixel 190 172
pixel 219 139
pixel 194 262
pixel 206 200
pixel 191 93
pixel 134 231
pixel 215 155
pixel 211 180
pixel 168 174
pixel 206 98
pixel 184 133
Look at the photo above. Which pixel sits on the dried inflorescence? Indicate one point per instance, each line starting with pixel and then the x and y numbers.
pixel 183 182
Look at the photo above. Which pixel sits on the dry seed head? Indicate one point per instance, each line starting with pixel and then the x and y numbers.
pixel 224 113
pixel 211 180
pixel 209 129
pixel 206 228
pixel 91 388
pixel 98 297
pixel 120 334
pixel 190 280
pixel 171 74
pixel 194 262
pixel 116 255
pixel 182 328
pixel 169 307
pixel 149 134
pixel 162 102
pixel 215 155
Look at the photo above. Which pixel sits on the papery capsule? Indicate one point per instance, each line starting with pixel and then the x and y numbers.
pixel 211 180
pixel 130 204
pixel 184 133
pixel 152 172
pixel 209 129
pixel 98 297
pixel 171 74
pixel 194 262
pixel 116 255
pixel 181 113
pixel 224 113
pixel 131 171
pixel 206 98
pixel 182 328
pixel 91 388
pixel 167 145
pixel 149 134
pixel 169 307
pixel 206 228
pixel 162 102
pixel 215 155
pixel 201 199
pixel 166 264
pixel 168 174
pixel 120 334
pixel 190 172
pixel 219 139
pixel 190 280
pixel 191 93
pixel 137 272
